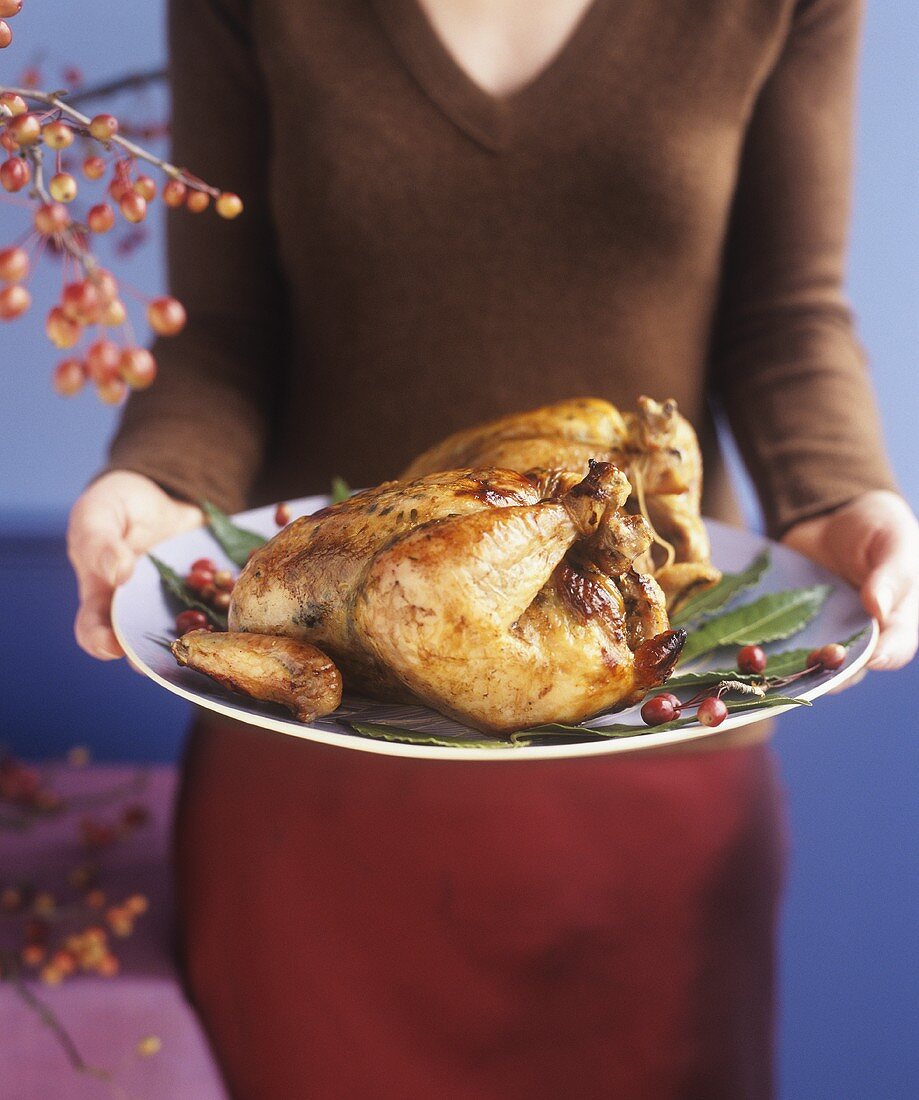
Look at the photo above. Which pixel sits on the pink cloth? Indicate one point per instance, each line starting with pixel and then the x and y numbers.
pixel 106 1017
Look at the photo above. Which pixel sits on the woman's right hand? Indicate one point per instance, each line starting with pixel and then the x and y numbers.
pixel 113 523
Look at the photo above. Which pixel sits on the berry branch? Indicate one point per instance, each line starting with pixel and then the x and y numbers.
pixel 36 129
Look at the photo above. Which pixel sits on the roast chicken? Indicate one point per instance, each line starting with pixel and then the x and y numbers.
pixel 502 598
pixel 654 446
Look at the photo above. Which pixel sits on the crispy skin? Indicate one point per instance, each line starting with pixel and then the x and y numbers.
pixel 474 592
pixel 654 443
pixel 277 670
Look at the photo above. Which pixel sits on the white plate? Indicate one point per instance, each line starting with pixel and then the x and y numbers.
pixel 142 613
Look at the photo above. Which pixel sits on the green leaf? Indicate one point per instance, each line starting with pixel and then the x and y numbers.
pixel 706 603
pixel 178 589
pixel 340 490
pixel 778 615
pixel 236 542
pixel 780 664
pixel 380 731
pixel 623 730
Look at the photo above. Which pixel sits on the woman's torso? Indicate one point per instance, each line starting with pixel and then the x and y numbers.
pixel 451 256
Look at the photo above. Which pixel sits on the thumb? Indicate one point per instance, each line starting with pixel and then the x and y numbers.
pixel 891 577
pixel 97 543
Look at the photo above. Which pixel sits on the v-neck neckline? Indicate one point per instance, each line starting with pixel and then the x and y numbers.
pixel 485 117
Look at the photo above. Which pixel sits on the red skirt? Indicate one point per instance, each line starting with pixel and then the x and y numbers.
pixel 359 926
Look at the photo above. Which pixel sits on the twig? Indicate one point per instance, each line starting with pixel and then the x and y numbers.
pixel 118 84
pixel 47 1017
pixel 53 99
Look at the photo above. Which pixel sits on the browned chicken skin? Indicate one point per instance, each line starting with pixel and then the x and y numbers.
pixel 502 600
pixel 278 670
pixel 655 447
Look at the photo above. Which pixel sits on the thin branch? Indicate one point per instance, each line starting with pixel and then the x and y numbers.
pixel 129 82
pixel 53 99
pixel 63 1036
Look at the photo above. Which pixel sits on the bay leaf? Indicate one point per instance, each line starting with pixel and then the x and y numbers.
pixel 236 542
pixel 381 731
pixel 710 600
pixel 768 619
pixel 341 490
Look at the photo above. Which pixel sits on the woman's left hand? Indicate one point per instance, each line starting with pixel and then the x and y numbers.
pixel 872 542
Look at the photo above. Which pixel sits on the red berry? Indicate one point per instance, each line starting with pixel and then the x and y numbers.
pixel 14 301
pixel 221 601
pixel 14 174
pixel 103 127
pixel 51 217
pixel 190 620
pixel 198 579
pixel 102 359
pixel 94 168
pixel 282 515
pixel 57 135
pixel 203 565
pixel 100 218
pixel 62 331
pixel 14 264
pixel 145 186
pixel 174 193
pixel 133 207
pixel 138 368
pixel 751 660
pixel 228 205
pixel 166 316
pixel 113 314
pixel 69 377
pixel 828 657
pixel 63 187
pixel 6 34
pixel 80 301
pixel 197 201
pixel 712 712
pixel 25 129
pixel 9 8
pixel 14 103
pixel 224 580
pixel 105 283
pixel 657 710
pixel 112 391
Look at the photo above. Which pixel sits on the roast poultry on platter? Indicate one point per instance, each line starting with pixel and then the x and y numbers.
pixel 514 588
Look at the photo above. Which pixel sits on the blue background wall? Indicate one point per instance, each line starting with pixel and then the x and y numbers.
pixel 850 974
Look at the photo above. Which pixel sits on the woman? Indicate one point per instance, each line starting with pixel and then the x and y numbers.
pixel 456 210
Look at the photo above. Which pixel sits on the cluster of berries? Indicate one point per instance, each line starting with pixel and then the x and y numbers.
pixel 86 950
pixel 100 834
pixel 711 710
pixel 210 585
pixel 22 786
pixel 90 297
pixel 8 8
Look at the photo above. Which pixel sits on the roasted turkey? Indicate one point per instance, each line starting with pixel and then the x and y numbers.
pixel 502 599
pixel 654 446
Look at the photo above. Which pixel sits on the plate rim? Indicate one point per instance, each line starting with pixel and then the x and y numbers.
pixel 355 742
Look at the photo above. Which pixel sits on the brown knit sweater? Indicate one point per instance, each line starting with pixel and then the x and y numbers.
pixel 663 210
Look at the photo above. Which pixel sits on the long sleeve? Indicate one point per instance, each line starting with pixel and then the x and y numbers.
pixel 786 361
pixel 202 428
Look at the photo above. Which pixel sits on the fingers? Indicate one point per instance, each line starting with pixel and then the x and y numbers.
pixel 101 559
pixel 93 624
pixel 891 590
pixel 893 555
pixel 899 634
